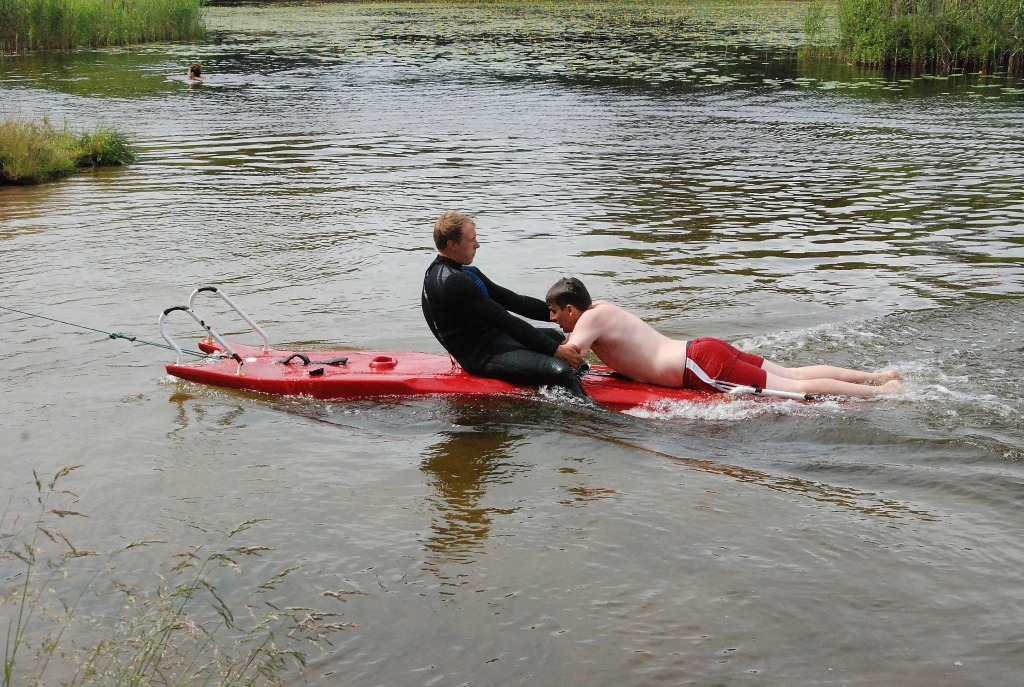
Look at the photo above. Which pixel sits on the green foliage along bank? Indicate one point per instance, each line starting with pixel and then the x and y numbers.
pixel 31 153
pixel 67 24
pixel 932 35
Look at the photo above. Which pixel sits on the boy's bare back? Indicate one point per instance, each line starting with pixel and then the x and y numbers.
pixel 629 345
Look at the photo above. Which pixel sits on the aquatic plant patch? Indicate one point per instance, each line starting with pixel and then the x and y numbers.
pixel 32 153
pixel 654 45
pixel 619 43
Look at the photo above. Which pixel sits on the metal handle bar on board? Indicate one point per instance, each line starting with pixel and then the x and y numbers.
pixel 225 346
pixel 234 306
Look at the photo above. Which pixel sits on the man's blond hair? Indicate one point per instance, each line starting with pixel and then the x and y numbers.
pixel 449 228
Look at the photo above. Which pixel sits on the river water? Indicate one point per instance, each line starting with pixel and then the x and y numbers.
pixel 685 162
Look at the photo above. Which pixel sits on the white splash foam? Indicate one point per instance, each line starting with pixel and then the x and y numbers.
pixel 826 337
pixel 735 410
pixel 925 381
pixel 941 394
pixel 562 395
pixel 836 331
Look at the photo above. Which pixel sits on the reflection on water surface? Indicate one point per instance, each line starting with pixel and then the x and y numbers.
pixel 459 468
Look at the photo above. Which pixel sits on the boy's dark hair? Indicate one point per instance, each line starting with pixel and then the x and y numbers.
pixel 569 291
pixel 196 69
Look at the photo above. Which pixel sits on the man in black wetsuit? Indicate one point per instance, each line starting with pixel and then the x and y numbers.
pixel 469 315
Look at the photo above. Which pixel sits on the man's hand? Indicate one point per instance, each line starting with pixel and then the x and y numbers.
pixel 570 355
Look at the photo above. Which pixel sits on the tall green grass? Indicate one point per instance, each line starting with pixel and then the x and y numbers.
pixel 933 35
pixel 66 24
pixel 32 153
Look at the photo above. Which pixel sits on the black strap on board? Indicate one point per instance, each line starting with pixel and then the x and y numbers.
pixel 306 361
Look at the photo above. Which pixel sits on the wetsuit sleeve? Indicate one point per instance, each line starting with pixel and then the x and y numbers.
pixel 462 295
pixel 533 308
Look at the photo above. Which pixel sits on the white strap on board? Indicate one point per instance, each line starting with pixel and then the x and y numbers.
pixel 730 388
pixel 703 376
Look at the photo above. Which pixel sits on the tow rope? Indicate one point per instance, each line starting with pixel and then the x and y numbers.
pixel 110 335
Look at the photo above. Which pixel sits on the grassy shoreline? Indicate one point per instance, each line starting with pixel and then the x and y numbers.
pixel 32 153
pixel 27 25
pixel 940 36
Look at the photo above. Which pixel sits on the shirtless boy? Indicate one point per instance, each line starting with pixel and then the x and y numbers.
pixel 633 348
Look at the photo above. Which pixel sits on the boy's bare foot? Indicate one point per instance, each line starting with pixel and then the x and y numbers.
pixel 883 378
pixel 889 386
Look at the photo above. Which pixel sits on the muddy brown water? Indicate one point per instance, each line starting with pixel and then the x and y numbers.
pixel 810 212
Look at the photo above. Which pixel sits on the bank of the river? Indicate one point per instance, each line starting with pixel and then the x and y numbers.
pixel 938 36
pixel 27 25
pixel 34 152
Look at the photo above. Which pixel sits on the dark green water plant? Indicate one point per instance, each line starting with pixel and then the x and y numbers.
pixel 31 153
pixel 68 24
pixel 924 35
pixel 71 620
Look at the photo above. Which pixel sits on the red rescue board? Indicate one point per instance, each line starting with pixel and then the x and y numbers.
pixel 369 374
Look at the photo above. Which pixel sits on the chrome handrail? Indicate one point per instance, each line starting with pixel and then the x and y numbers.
pixel 225 346
pixel 234 306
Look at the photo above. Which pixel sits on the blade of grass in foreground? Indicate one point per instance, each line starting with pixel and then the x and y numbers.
pixel 184 631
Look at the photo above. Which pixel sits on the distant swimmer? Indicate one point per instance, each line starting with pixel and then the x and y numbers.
pixel 195 72
pixel 469 315
pixel 634 349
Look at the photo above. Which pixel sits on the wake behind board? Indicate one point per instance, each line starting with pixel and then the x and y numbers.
pixel 370 374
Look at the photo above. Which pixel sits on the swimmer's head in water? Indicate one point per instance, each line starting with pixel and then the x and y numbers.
pixel 569 291
pixel 195 70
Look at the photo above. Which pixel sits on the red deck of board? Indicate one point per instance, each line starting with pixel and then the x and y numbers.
pixel 369 374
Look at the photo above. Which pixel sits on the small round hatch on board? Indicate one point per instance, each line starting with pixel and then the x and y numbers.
pixel 383 362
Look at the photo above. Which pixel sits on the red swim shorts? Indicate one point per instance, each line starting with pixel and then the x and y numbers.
pixel 719 361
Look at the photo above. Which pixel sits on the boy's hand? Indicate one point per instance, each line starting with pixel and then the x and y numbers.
pixel 570 355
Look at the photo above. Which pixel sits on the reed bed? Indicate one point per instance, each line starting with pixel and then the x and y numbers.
pixel 72 620
pixel 67 24
pixel 32 153
pixel 939 36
